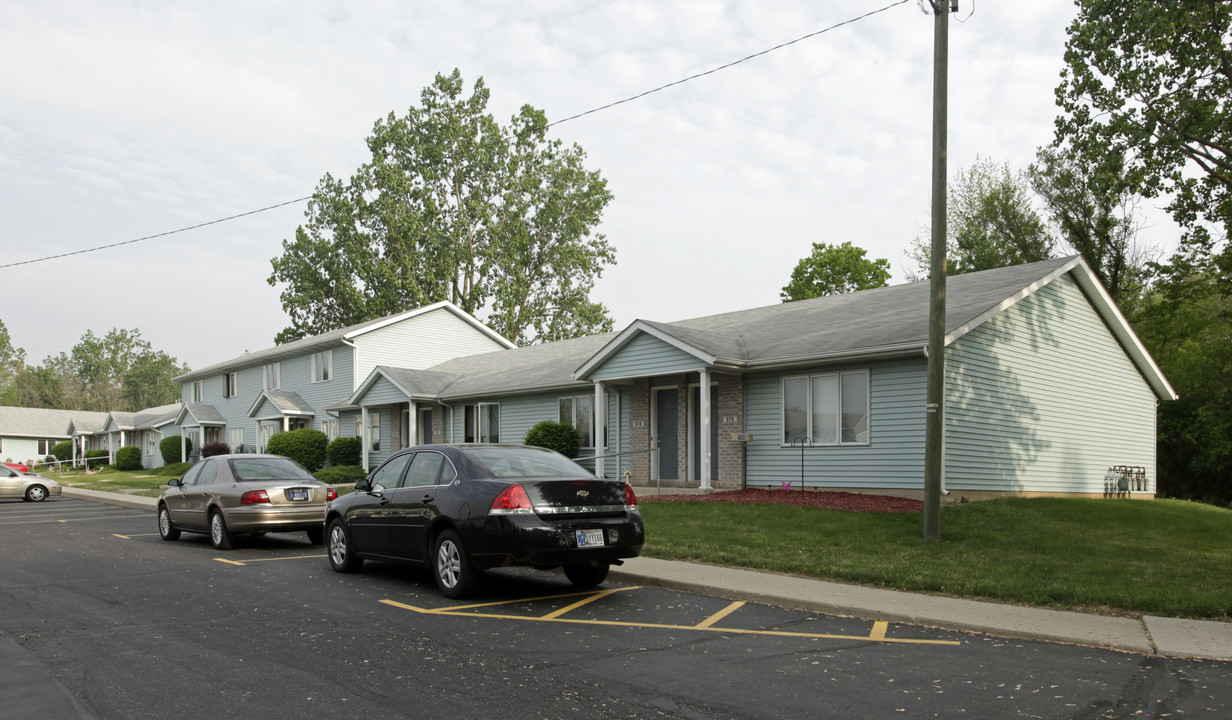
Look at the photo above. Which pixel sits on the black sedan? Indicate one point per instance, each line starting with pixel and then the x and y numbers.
pixel 461 509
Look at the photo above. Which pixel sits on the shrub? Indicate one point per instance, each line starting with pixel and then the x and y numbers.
pixel 63 450
pixel 553 435
pixel 340 474
pixel 93 458
pixel 128 458
pixel 215 448
pixel 345 451
pixel 169 447
pixel 174 469
pixel 305 446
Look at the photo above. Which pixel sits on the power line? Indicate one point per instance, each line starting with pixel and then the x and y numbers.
pixel 711 71
pixel 158 235
pixel 727 65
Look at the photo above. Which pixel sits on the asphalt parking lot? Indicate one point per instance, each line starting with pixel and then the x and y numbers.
pixel 131 626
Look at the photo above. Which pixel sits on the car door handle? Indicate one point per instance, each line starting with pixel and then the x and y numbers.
pixel 427 498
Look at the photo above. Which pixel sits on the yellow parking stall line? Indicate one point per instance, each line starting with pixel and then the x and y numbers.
pixel 879 630
pixel 579 603
pixel 457 608
pixel 53 520
pixel 268 559
pixel 134 535
pixel 720 614
pixel 663 626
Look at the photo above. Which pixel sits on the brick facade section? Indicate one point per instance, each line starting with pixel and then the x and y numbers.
pixel 728 453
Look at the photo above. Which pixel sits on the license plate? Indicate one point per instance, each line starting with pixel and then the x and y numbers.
pixel 589 538
pixel 298 493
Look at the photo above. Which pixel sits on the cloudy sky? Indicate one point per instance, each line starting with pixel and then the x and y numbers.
pixel 126 119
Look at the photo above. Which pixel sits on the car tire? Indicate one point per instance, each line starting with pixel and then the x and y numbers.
pixel 586 575
pixel 455 576
pixel 166 530
pixel 36 493
pixel 220 536
pixel 338 547
pixel 316 535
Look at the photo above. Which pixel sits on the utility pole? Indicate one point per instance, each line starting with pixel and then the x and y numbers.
pixel 934 461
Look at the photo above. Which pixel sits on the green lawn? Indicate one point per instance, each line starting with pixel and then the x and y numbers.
pixel 1161 557
pixel 141 482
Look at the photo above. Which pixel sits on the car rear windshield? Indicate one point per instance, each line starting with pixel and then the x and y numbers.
pixel 252 469
pixel 501 462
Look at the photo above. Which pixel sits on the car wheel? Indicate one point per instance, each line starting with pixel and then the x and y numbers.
pixel 586 575
pixel 341 555
pixel 36 493
pixel 165 528
pixel 222 538
pixel 316 535
pixel 455 576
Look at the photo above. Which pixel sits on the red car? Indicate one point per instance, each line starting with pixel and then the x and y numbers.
pixel 17 466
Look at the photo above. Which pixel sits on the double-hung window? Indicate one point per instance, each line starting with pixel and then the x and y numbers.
pixel 231 382
pixel 198 391
pixel 826 409
pixel 322 366
pixel 237 440
pixel 272 376
pixel 579 411
pixel 481 423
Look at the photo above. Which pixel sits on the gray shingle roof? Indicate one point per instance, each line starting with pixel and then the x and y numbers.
pixel 870 320
pixel 202 414
pixel 45 423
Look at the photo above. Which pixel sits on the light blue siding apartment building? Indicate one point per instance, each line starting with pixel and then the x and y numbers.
pixel 245 400
pixel 1046 389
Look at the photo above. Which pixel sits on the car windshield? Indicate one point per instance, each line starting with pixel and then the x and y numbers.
pixel 253 469
pixel 501 462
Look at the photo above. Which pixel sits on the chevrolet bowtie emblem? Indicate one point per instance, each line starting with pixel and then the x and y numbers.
pixel 583 493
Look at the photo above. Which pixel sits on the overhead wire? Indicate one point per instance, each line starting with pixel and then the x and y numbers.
pixel 592 111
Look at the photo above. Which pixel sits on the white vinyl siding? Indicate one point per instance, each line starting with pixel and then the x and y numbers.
pixel 1042 398
pixel 420 342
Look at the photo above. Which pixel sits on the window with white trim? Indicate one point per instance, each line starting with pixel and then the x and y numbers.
pixel 322 366
pixel 198 391
pixel 44 446
pixel 330 428
pixel 374 431
pixel 579 411
pixel 230 384
pixel 272 376
pixel 826 409
pixel 151 446
pixel 237 439
pixel 481 423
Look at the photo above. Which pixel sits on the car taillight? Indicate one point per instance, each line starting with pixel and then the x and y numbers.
pixel 630 496
pixel 330 494
pixel 253 497
pixel 512 499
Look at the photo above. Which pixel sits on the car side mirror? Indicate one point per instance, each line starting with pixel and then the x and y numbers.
pixel 363 485
pixel 174 482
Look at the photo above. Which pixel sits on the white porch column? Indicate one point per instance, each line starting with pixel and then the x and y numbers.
pixel 183 437
pixel 363 433
pixel 703 426
pixel 412 426
pixel 600 424
pixel 286 423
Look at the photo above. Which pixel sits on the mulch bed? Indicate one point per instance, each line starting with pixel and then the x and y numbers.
pixel 831 500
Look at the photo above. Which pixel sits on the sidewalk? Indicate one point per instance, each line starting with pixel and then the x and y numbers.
pixel 1170 637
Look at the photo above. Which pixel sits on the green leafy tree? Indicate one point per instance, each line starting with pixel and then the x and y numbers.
pixel 150 380
pixel 453 206
pixel 1150 82
pixel 835 269
pixel 990 223
pixel 1186 323
pixel 12 360
pixel 1094 213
